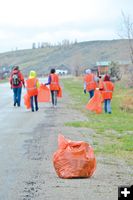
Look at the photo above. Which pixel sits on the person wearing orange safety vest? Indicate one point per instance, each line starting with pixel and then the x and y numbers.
pixel 32 85
pixel 107 87
pixel 53 82
pixel 90 83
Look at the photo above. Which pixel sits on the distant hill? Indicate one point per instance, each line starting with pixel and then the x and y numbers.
pixel 70 56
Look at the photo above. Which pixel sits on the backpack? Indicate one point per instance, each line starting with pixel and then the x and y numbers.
pixel 15 79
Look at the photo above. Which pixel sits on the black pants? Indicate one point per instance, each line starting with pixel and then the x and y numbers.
pixel 54 97
pixel 33 100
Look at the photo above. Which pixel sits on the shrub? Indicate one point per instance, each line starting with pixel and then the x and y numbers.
pixel 127 104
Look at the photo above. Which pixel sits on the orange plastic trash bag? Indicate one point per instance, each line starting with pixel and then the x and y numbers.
pixel 43 93
pixel 74 159
pixel 95 103
pixel 59 94
pixel 27 101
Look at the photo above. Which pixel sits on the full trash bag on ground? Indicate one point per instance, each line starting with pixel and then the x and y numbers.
pixel 95 103
pixel 27 101
pixel 43 93
pixel 74 159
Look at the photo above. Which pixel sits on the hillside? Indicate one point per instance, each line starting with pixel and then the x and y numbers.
pixel 78 54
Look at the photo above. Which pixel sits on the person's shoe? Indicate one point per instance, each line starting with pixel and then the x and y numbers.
pixel 32 110
pixel 18 104
pixel 14 104
pixel 37 109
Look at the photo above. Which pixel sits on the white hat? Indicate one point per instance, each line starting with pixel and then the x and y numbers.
pixel 88 71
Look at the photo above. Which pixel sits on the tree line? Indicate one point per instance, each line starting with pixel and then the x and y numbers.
pixel 63 43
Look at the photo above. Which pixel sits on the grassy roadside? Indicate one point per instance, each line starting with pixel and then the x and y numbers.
pixel 4 81
pixel 113 133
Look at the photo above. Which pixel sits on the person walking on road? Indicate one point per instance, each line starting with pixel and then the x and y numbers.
pixel 16 82
pixel 107 87
pixel 90 83
pixel 32 85
pixel 53 81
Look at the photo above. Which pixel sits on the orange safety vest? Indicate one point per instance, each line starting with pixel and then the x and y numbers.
pixel 107 91
pixel 54 84
pixel 32 86
pixel 90 83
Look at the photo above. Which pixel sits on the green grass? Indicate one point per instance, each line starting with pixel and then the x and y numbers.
pixel 119 120
pixel 114 132
pixel 4 80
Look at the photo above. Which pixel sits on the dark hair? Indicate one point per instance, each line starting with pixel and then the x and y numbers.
pixel 16 67
pixel 52 71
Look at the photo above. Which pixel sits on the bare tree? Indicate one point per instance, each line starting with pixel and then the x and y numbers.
pixel 33 45
pixel 76 41
pixel 127 32
pixel 42 44
pixel 39 46
pixel 65 43
pixel 76 64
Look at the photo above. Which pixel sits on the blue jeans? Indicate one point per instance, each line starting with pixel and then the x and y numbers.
pixel 91 93
pixel 17 96
pixel 107 105
pixel 33 100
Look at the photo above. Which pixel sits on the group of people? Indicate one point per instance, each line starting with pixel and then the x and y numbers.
pixel 91 82
pixel 32 84
pixel 104 84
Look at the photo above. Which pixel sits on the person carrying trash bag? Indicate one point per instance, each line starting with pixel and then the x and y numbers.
pixel 32 85
pixel 106 87
pixel 53 81
pixel 90 83
pixel 16 82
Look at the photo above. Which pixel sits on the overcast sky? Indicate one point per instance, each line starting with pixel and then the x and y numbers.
pixel 23 22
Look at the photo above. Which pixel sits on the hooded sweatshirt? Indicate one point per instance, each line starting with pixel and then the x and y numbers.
pixel 32 84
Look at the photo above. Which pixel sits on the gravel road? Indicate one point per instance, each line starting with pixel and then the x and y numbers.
pixel 27 143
